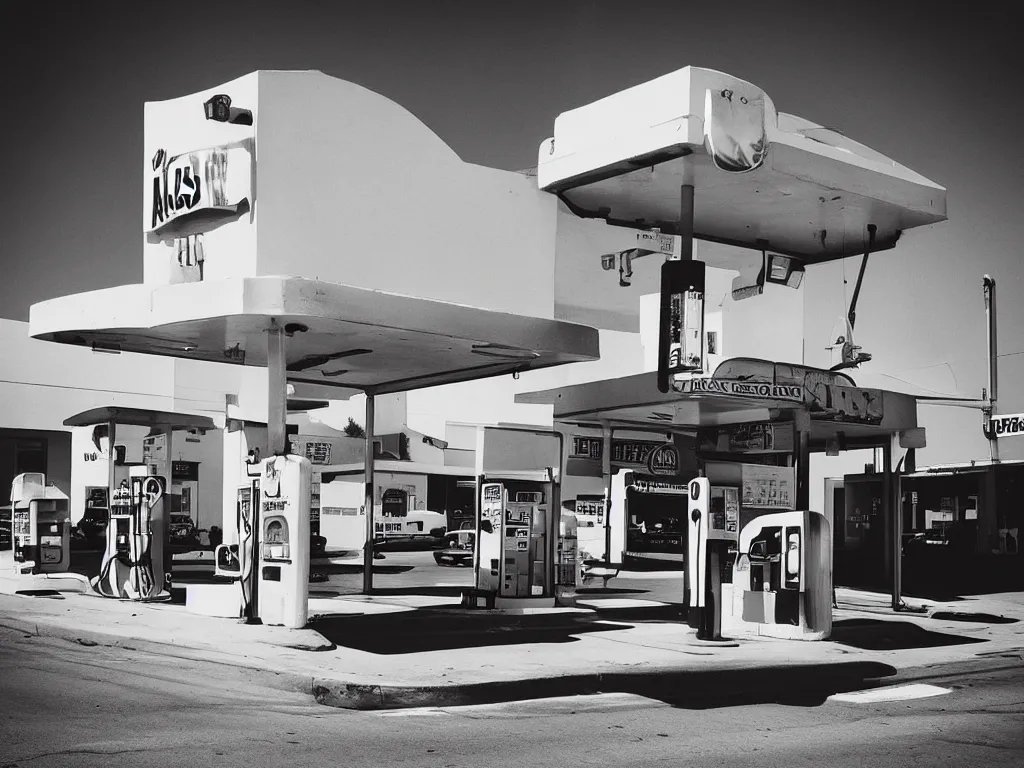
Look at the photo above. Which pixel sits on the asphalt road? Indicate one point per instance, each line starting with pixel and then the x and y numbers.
pixel 63 704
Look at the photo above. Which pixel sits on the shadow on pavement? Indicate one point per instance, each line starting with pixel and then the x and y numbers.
pixel 977 618
pixel 879 635
pixel 673 612
pixel 592 591
pixel 805 685
pixel 425 629
pixel 345 568
pixel 427 591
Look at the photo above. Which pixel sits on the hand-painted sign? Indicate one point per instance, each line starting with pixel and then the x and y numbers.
pixel 1005 426
pixel 214 179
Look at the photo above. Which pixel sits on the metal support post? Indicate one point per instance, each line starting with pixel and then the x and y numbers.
pixel 368 497
pixel 803 470
pixel 606 475
pixel 111 440
pixel 277 391
pixel 887 507
pixel 686 222
pixel 897 537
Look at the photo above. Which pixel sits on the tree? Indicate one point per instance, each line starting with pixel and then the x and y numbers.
pixel 354 430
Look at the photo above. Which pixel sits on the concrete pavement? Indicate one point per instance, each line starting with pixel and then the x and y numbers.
pixel 406 650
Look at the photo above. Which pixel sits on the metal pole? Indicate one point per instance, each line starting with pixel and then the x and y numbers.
pixel 112 454
pixel 606 474
pixel 803 469
pixel 277 392
pixel 368 497
pixel 897 535
pixel 686 222
pixel 989 287
pixel 887 507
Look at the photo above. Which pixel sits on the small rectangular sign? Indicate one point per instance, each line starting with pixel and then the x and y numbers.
pixel 1008 425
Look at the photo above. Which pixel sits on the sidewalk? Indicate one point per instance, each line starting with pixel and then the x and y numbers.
pixel 399 650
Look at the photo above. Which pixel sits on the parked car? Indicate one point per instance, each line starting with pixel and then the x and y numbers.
pixel 458 549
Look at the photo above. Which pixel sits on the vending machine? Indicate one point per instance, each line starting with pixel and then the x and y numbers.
pixel 135 562
pixel 40 524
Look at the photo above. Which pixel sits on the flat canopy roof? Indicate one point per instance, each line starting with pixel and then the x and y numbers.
pixel 794 187
pixel 634 402
pixel 139 417
pixel 352 339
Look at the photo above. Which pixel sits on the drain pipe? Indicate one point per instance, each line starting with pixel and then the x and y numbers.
pixel 989 288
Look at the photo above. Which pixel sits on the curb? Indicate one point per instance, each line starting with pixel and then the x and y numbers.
pixel 705 687
pixel 286 681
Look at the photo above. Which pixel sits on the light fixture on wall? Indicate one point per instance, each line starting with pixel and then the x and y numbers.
pixel 218 107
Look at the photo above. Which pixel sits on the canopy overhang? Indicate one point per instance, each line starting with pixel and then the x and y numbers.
pixel 634 402
pixel 802 189
pixel 140 417
pixel 346 338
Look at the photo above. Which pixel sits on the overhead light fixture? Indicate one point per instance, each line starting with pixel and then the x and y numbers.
pixel 774 268
pixel 784 270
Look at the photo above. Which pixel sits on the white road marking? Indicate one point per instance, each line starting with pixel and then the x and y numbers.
pixel 619 602
pixel 533 707
pixel 891 693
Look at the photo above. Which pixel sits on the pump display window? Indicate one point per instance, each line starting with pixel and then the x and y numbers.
pixel 275 539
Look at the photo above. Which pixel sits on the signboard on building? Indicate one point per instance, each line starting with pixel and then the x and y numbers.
pixel 318 452
pixel 768 487
pixel 758 437
pixel 1005 426
pixel 584 447
pixel 633 453
pixel 744 389
pixel 217 179
pixel 665 487
pixel 663 460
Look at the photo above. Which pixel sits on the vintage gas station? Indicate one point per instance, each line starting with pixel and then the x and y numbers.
pixel 356 253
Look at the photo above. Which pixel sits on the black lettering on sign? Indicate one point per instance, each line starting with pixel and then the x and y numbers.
pixel 182 193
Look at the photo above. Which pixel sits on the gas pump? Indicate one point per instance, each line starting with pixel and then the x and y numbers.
pixel 41 524
pixel 134 565
pixel 282 562
pixel 713 531
pixel 513 542
pixel 568 574
pixel 782 579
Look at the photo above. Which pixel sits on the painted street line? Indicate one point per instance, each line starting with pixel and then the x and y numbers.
pixel 891 693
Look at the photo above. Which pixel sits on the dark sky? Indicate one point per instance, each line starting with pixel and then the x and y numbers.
pixel 935 86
